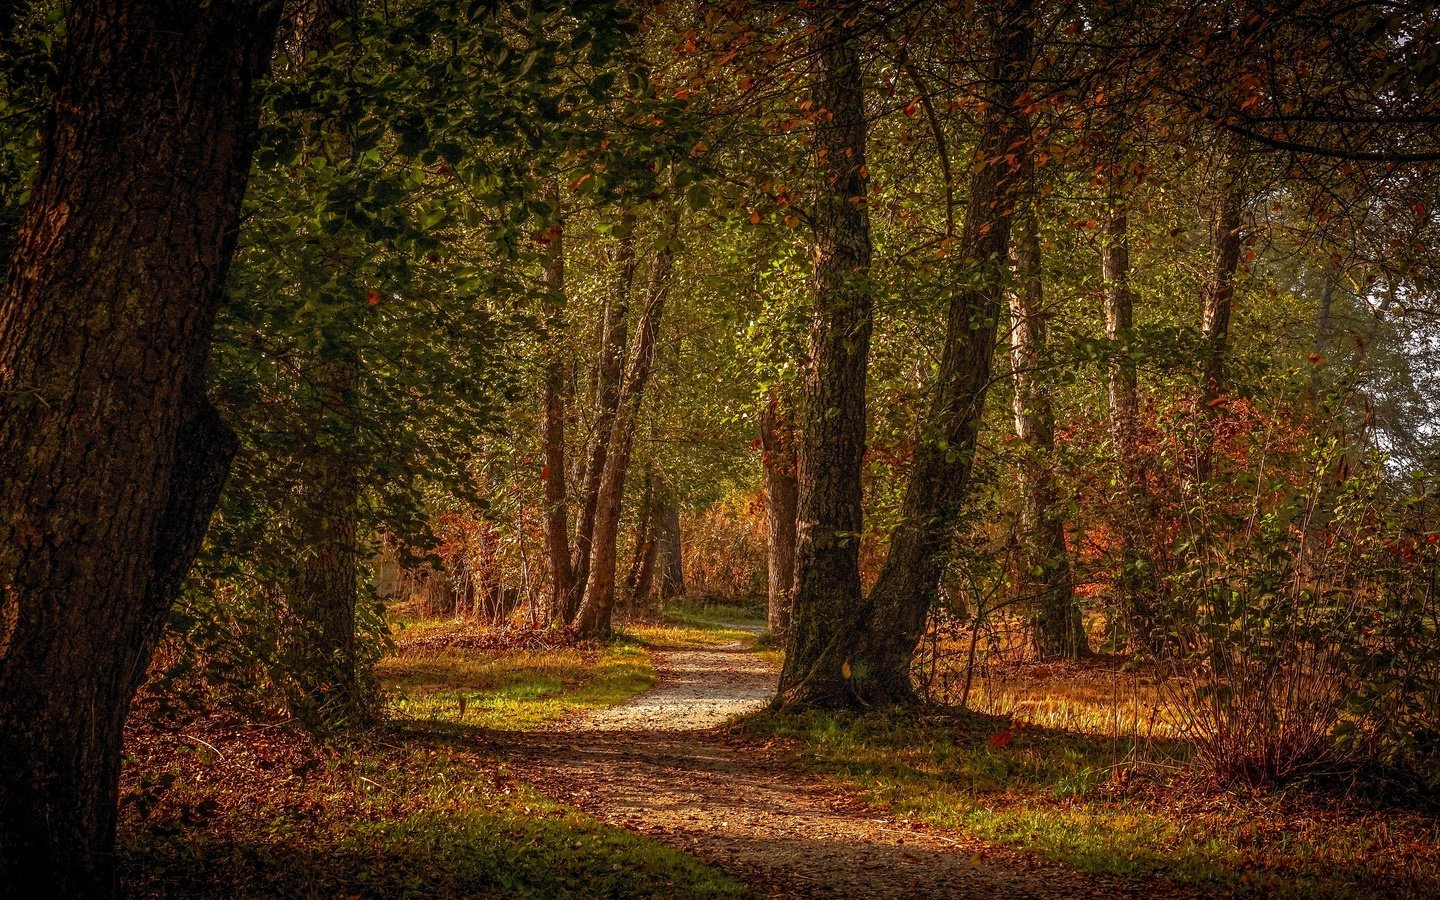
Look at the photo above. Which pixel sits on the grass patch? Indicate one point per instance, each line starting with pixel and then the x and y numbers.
pixel 403 812
pixel 516 689
pixel 1105 805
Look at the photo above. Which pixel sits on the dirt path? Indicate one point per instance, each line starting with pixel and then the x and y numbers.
pixel 658 765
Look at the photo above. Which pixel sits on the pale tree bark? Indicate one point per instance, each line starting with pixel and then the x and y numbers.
pixel 1043 570
pixel 920 548
pixel 827 602
pixel 111 457
pixel 777 443
pixel 594 618
pixel 608 375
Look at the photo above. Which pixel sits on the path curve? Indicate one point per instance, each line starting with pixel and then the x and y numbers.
pixel 660 765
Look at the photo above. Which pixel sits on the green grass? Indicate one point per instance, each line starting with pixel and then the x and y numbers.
pixel 518 689
pixel 1078 799
pixel 407 812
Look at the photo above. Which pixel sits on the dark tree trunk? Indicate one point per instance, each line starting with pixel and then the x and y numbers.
pixel 1220 293
pixel 642 560
pixel 552 432
pixel 595 612
pixel 1136 590
pixel 777 442
pixel 669 564
pixel 323 652
pixel 827 602
pixel 1043 564
pixel 908 583
pixel 111 459
pixel 609 372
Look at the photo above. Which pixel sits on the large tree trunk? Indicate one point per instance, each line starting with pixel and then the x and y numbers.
pixel 1043 564
pixel 827 602
pixel 111 459
pixel 777 442
pixel 595 612
pixel 920 548
pixel 609 373
pixel 642 561
pixel 552 432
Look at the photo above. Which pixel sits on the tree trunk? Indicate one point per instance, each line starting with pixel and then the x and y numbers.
pixel 1136 589
pixel 642 561
pixel 827 602
pixel 1220 293
pixel 777 442
pixel 111 458
pixel 595 612
pixel 552 431
pixel 609 372
pixel 322 651
pixel 1043 566
pixel 920 548
pixel 669 564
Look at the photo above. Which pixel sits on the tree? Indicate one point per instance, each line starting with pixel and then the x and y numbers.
pixel 1043 563
pixel 777 442
pixel 827 602
pixel 111 457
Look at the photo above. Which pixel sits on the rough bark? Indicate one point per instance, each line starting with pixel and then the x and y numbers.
pixel 552 432
pixel 827 602
pixel 111 459
pixel 908 583
pixel 609 372
pixel 1042 566
pixel 599 603
pixel 777 442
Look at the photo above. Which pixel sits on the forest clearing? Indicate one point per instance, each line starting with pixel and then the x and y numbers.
pixel 719 448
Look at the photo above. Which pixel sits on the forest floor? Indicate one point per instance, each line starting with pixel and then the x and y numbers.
pixel 664 766
pixel 509 765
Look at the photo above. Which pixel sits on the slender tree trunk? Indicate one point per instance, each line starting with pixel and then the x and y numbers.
pixel 642 560
pixel 111 458
pixel 552 431
pixel 1137 593
pixel 827 601
pixel 595 612
pixel 777 441
pixel 322 650
pixel 609 373
pixel 920 548
pixel 1220 293
pixel 1123 383
pixel 1323 326
pixel 1043 566
pixel 667 543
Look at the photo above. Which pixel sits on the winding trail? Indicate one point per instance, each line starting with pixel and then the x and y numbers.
pixel 660 765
